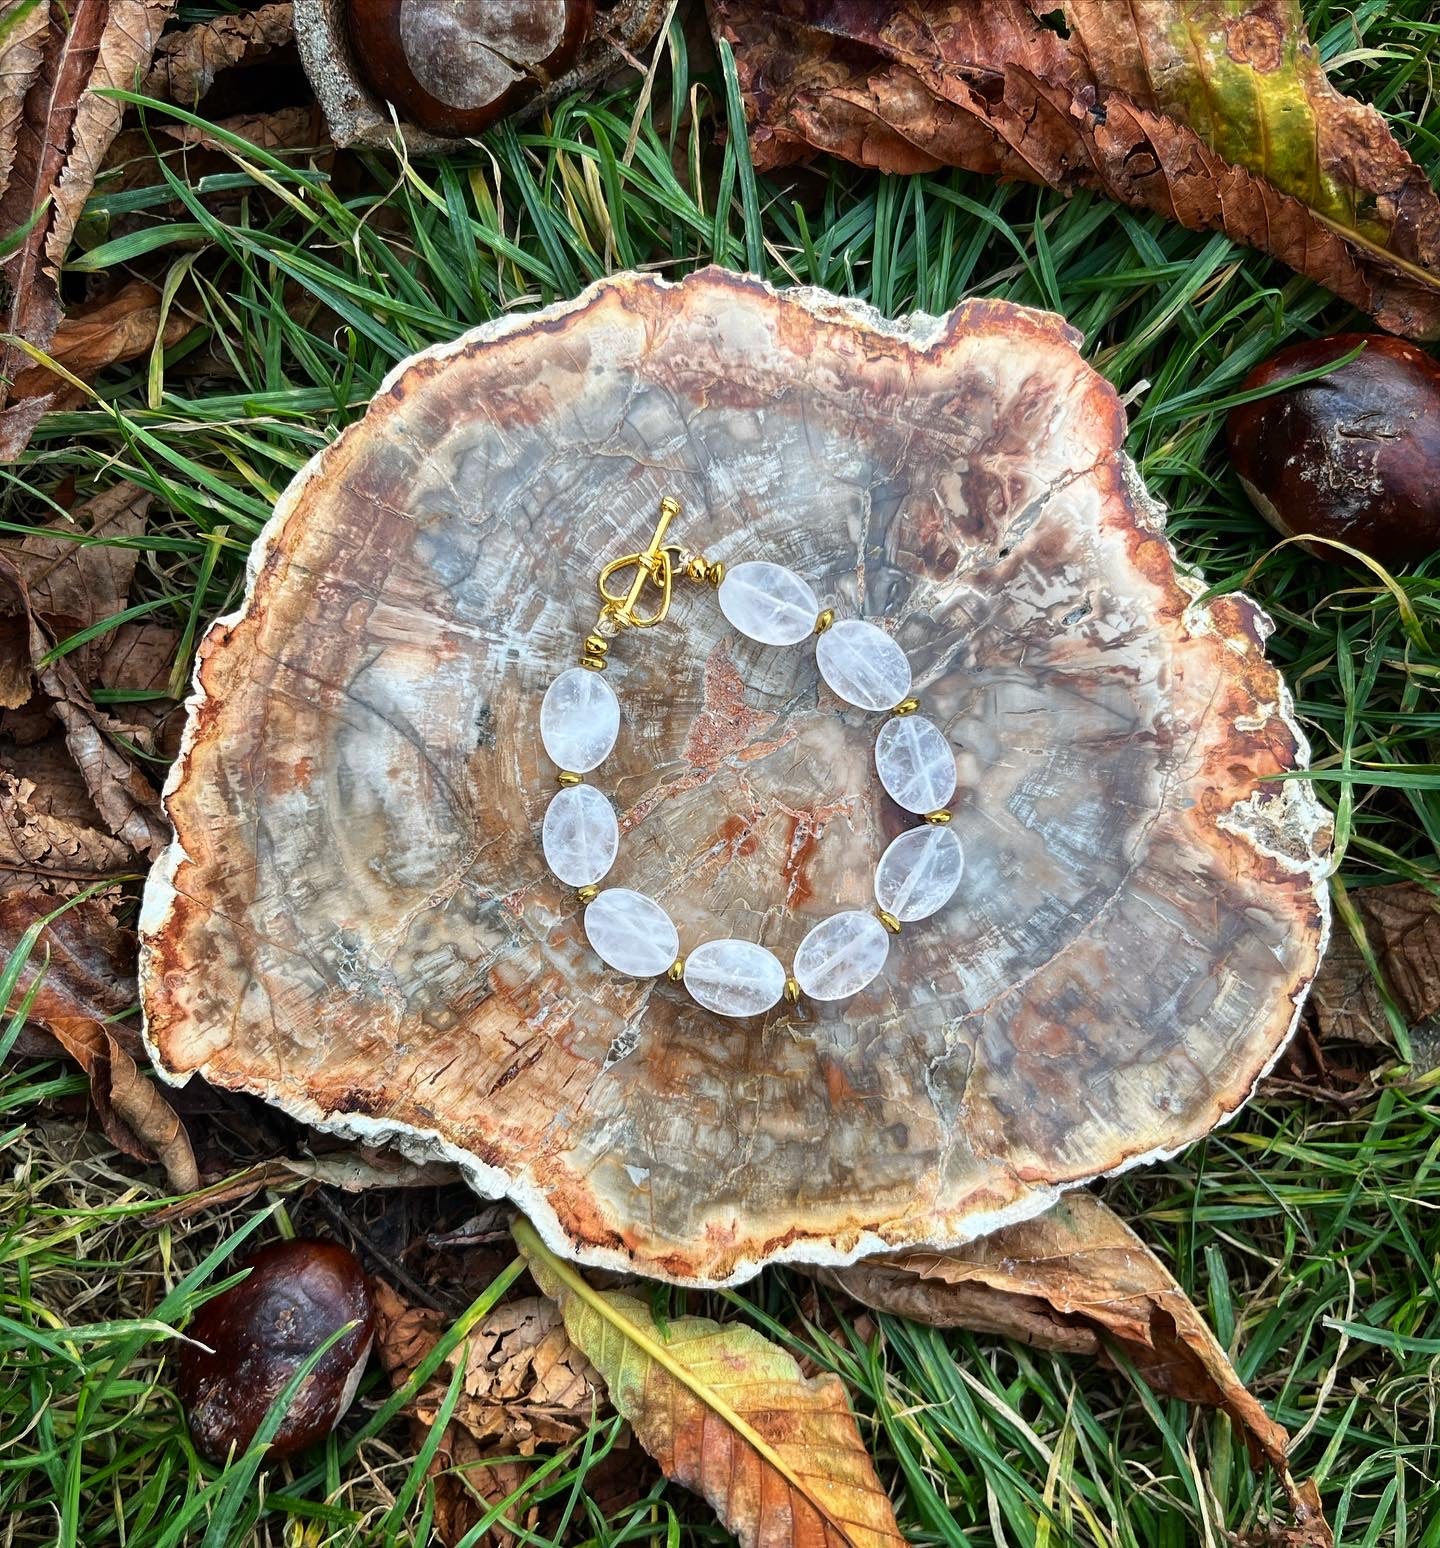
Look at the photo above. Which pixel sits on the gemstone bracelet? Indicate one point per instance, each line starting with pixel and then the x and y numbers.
pixel 579 723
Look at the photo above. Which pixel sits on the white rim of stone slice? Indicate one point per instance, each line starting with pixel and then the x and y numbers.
pixel 919 872
pixel 916 764
pixel 734 977
pixel 768 603
pixel 631 933
pixel 580 835
pixel 579 720
pixel 863 664
pixel 841 955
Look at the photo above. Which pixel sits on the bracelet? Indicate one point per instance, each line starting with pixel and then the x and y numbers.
pixel 580 836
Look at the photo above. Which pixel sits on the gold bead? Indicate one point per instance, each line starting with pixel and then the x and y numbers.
pixel 595 663
pixel 823 622
pixel 906 706
pixel 792 990
pixel 596 645
pixel 676 971
pixel 715 572
pixel 939 818
pixel 891 923
pixel 565 777
pixel 697 566
pixel 587 894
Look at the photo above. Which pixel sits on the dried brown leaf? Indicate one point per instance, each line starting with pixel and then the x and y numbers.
pixel 23 27
pixel 64 130
pixel 1131 102
pixel 115 330
pixel 1076 1276
pixel 126 801
pixel 49 854
pixel 525 1383
pixel 187 62
pixel 1402 927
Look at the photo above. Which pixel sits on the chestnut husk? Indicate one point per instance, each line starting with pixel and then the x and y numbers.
pixel 259 1333
pixel 1353 455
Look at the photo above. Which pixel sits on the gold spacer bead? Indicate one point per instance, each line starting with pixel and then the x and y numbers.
pixel 587 894
pixel 792 990
pixel 906 706
pixel 823 622
pixel 939 818
pixel 715 572
pixel 891 923
pixel 565 777
pixel 676 971
pixel 596 645
pixel 595 663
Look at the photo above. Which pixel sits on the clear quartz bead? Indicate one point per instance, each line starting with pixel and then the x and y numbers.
pixel 919 872
pixel 863 664
pixel 579 720
pixel 841 955
pixel 631 933
pixel 915 763
pixel 580 835
pixel 734 978
pixel 768 603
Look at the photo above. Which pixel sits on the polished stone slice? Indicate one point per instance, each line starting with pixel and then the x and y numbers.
pixel 579 720
pixel 841 955
pixel 580 835
pixel 915 763
pixel 768 602
pixel 863 664
pixel 734 978
pixel 919 872
pixel 631 932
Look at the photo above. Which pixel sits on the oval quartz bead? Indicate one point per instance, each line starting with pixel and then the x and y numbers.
pixel 918 873
pixel 734 978
pixel 863 664
pixel 768 603
pixel 915 763
pixel 580 835
pixel 631 933
pixel 579 720
pixel 841 955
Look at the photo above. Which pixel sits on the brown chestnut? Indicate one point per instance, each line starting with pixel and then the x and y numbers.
pixel 455 66
pixel 1353 455
pixel 259 1334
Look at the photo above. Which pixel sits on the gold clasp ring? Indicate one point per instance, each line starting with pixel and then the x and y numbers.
pixel 653 566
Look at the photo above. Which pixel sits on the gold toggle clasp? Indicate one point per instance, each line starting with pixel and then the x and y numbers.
pixel 653 566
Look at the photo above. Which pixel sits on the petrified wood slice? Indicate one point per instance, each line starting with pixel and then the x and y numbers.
pixel 355 921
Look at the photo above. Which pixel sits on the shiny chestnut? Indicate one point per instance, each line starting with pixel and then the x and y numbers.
pixel 455 66
pixel 1353 455
pixel 259 1334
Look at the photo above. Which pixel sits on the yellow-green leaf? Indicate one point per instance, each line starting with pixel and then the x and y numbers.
pixel 728 1414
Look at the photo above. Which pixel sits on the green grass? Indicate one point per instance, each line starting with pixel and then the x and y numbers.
pixel 1310 1235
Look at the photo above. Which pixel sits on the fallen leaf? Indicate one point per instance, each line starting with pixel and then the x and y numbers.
pixel 1219 117
pixel 44 853
pixel 94 337
pixel 23 28
pixel 64 130
pixel 139 657
pixel 1401 924
pixel 77 570
pixel 289 128
pixel 126 801
pixel 85 963
pixel 1074 1279
pixel 524 1383
pixel 728 1414
pixel 187 61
